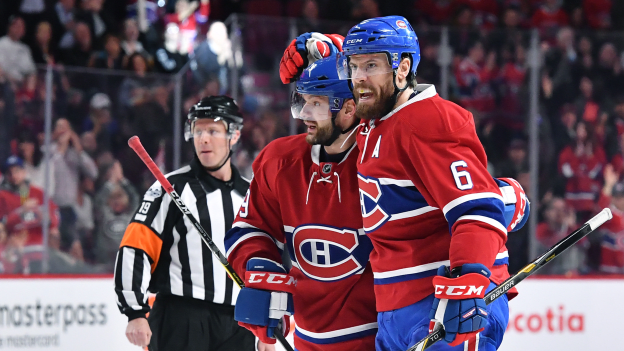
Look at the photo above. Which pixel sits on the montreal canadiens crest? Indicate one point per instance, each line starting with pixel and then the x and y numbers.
pixel 328 254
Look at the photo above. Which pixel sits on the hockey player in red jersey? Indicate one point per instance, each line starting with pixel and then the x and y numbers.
pixel 303 198
pixel 422 176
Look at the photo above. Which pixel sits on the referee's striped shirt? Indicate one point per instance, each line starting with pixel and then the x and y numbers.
pixel 162 252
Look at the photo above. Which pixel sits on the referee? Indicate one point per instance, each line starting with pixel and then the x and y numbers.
pixel 162 252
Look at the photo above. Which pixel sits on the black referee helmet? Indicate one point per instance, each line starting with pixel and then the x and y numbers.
pixel 219 108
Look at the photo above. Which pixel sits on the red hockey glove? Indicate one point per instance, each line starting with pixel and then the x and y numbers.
pixel 305 50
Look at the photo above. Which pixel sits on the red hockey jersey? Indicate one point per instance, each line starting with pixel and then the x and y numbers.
pixel 312 209
pixel 422 175
pixel 612 250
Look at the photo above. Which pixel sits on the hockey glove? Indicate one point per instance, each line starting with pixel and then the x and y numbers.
pixel 305 50
pixel 458 305
pixel 265 300
pixel 517 205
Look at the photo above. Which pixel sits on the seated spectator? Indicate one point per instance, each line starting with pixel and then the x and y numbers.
pixel 474 76
pixel 581 163
pixel 71 163
pixel 549 18
pixel 559 222
pixel 131 44
pixel 32 155
pixel 15 57
pixel 133 89
pixel 598 13
pixel 80 53
pixel 61 17
pixel 111 57
pixel 89 144
pixel 516 161
pixel 608 71
pixel 42 51
pixel 98 20
pixel 564 132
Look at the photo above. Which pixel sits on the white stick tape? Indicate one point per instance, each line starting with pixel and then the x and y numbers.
pixel 600 218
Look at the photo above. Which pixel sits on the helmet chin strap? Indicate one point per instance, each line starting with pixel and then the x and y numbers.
pixel 336 132
pixel 397 90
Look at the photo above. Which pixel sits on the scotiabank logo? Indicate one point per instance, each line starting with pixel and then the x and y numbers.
pixel 553 320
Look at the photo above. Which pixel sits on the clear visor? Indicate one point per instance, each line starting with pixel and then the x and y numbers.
pixel 201 129
pixel 310 107
pixel 361 66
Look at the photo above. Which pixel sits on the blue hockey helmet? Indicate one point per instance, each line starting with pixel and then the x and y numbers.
pixel 392 35
pixel 318 81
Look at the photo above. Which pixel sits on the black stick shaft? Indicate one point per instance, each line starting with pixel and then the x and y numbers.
pixel 527 271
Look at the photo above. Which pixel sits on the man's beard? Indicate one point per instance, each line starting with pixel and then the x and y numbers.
pixel 323 134
pixel 380 108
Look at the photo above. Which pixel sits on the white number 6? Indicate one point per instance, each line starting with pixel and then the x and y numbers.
pixel 458 174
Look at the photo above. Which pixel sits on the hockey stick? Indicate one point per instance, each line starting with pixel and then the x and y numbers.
pixel 136 145
pixel 525 272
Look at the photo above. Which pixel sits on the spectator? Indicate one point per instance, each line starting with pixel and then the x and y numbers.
pixel 516 161
pixel 310 17
pixel 485 12
pixel 215 58
pixel 98 20
pixel 364 9
pixel 187 17
pixel 559 222
pixel 71 162
pixel 33 12
pixel 549 18
pixel 598 13
pixel 168 59
pixel 42 50
pixel 564 132
pixel 608 71
pixel 435 12
pixel 559 62
pixel 83 208
pixel 21 203
pixel 111 57
pixel 33 156
pixel 131 44
pixel 581 164
pixel 61 17
pixel 612 246
pixel 474 76
pixel 80 53
pixel 151 119
pixel 510 34
pixel 512 76
pixel 100 122
pixel 115 204
pixel 15 58
pixel 89 144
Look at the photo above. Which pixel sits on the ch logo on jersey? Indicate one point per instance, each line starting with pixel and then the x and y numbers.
pixel 373 215
pixel 326 253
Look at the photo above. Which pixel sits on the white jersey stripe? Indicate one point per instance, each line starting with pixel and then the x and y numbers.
pixel 413 213
pixel 411 270
pixel 217 225
pixel 339 332
pixel 399 182
pixel 460 200
pixel 494 223
pixel 126 278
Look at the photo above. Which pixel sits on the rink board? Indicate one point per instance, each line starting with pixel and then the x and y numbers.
pixel 81 314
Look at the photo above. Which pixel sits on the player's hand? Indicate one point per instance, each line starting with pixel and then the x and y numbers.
pixel 458 305
pixel 265 304
pixel 138 332
pixel 265 347
pixel 305 50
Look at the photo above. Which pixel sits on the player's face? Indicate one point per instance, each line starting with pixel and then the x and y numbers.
pixel 211 141
pixel 316 115
pixel 371 76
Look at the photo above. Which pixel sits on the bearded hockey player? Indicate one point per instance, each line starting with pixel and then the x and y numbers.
pixel 304 198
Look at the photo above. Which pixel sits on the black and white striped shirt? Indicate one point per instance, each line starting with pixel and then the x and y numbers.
pixel 161 250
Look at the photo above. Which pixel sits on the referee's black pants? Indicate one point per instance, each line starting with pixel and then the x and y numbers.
pixel 185 324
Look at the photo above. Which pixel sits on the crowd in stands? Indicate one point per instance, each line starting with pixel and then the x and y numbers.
pixel 115 66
